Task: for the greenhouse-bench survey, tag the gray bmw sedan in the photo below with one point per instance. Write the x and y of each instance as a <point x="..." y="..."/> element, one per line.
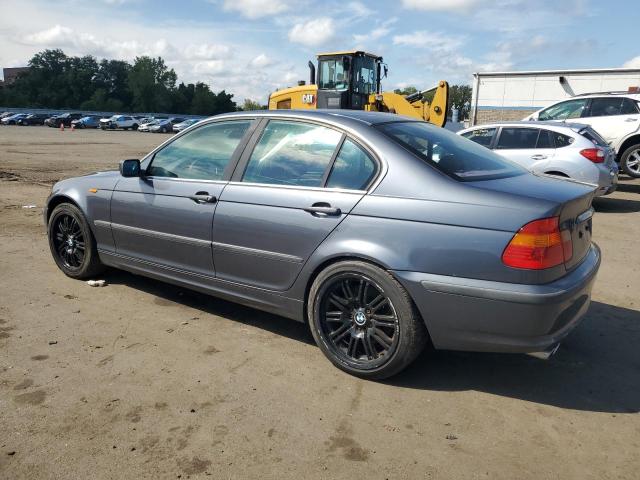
<point x="384" y="233"/>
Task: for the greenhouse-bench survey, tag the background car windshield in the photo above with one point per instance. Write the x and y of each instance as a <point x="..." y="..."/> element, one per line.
<point x="458" y="157"/>
<point x="564" y="110"/>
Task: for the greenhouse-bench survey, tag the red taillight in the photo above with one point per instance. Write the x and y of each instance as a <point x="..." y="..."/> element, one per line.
<point x="539" y="244"/>
<point x="596" y="155"/>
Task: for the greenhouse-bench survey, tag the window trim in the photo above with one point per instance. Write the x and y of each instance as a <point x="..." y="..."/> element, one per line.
<point x="228" y="171"/>
<point x="236" y="177"/>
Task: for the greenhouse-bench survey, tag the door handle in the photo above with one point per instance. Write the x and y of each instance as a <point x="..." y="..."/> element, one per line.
<point x="203" y="197"/>
<point x="631" y="120"/>
<point x="538" y="157"/>
<point x="323" y="208"/>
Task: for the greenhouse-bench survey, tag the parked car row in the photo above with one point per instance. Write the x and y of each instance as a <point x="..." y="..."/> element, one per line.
<point x="587" y="138"/>
<point x="115" y="122"/>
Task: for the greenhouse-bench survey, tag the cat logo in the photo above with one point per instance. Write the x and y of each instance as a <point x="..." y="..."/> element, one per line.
<point x="309" y="98"/>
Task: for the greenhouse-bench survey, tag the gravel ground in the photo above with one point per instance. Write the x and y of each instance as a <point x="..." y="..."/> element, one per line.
<point x="140" y="379"/>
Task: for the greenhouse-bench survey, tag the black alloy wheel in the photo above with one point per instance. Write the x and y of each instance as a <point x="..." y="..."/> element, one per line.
<point x="364" y="321"/>
<point x="69" y="241"/>
<point x="72" y="243"/>
<point x="358" y="320"/>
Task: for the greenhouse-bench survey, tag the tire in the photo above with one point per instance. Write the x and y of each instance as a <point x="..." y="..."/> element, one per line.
<point x="67" y="221"/>
<point x="630" y="161"/>
<point x="134" y="126"/>
<point x="373" y="339"/>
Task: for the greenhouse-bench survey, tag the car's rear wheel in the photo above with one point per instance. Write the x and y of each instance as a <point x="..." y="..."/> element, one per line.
<point x="71" y="242"/>
<point x="134" y="126"/>
<point x="364" y="321"/>
<point x="630" y="161"/>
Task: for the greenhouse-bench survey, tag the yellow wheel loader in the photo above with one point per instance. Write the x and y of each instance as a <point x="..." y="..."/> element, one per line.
<point x="351" y="80"/>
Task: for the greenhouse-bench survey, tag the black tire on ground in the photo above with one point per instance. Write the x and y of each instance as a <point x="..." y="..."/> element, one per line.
<point x="72" y="243"/>
<point x="356" y="330"/>
<point x="630" y="161"/>
<point x="134" y="126"/>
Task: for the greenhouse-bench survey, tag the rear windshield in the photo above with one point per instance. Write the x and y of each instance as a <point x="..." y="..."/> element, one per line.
<point x="452" y="154"/>
<point x="594" y="137"/>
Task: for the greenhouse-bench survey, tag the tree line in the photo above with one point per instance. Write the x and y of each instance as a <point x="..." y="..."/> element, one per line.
<point x="58" y="81"/>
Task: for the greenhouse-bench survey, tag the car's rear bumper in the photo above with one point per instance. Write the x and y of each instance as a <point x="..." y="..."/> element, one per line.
<point x="480" y="315"/>
<point x="607" y="179"/>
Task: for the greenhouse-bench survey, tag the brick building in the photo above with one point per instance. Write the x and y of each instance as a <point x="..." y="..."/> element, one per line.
<point x="508" y="96"/>
<point x="10" y="74"/>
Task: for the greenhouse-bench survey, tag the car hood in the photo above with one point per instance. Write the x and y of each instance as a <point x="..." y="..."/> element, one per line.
<point x="105" y="180"/>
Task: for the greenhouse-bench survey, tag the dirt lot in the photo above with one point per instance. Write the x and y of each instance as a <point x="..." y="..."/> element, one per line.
<point x="144" y="380"/>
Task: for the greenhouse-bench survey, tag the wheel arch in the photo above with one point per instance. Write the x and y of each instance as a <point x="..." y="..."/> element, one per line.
<point x="59" y="199"/>
<point x="345" y="258"/>
<point x="632" y="140"/>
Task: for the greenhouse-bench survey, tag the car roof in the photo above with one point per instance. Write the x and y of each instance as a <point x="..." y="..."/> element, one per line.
<point x="633" y="96"/>
<point x="533" y="124"/>
<point x="332" y="115"/>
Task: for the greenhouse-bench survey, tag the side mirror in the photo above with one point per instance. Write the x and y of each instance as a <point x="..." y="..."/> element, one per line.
<point x="130" y="168"/>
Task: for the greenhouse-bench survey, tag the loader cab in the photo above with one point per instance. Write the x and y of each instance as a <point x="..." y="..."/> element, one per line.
<point x="346" y="79"/>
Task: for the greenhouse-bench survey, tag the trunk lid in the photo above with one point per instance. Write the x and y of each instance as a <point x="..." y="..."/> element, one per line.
<point x="567" y="199"/>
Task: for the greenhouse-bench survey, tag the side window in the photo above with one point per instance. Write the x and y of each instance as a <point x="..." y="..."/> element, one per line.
<point x="292" y="153"/>
<point x="202" y="154"/>
<point x="545" y="139"/>
<point x="564" y="110"/>
<point x="629" y="107"/>
<point x="353" y="168"/>
<point x="561" y="140"/>
<point x="605" y="107"/>
<point x="482" y="136"/>
<point x="517" y="138"/>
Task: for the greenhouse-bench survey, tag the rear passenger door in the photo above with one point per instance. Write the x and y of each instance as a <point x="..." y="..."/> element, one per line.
<point x="530" y="147"/>
<point x="294" y="184"/>
<point x="613" y="117"/>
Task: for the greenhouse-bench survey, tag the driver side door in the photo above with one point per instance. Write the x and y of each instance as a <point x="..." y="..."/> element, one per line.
<point x="164" y="218"/>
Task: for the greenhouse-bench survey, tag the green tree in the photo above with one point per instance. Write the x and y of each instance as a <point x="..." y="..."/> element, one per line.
<point x="406" y="90"/>
<point x="151" y="84"/>
<point x="252" y="105"/>
<point x="460" y="98"/>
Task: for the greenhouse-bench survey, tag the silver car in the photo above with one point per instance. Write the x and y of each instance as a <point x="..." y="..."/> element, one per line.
<point x="569" y="150"/>
<point x="384" y="233"/>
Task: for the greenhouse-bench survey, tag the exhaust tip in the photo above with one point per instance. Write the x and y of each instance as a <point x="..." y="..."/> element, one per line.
<point x="544" y="355"/>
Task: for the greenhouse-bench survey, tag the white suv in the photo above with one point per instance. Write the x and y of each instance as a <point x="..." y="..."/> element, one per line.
<point x="119" y="121"/>
<point x="615" y="116"/>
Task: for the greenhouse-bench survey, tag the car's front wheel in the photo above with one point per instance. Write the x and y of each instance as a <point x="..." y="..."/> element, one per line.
<point x="364" y="321"/>
<point x="71" y="242"/>
<point x="630" y="161"/>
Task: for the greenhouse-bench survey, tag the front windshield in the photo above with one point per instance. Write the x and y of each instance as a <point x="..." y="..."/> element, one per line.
<point x="364" y="75"/>
<point x="452" y="154"/>
<point x="332" y="75"/>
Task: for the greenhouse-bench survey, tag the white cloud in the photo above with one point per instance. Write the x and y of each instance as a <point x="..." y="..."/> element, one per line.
<point x="376" y="33"/>
<point x="261" y="61"/>
<point x="256" y="8"/>
<point x="207" y="51"/>
<point x="436" y="42"/>
<point x="438" y="5"/>
<point x="313" y="32"/>
<point x="633" y="63"/>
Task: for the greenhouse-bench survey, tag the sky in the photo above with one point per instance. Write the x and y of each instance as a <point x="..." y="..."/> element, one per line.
<point x="252" y="47"/>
